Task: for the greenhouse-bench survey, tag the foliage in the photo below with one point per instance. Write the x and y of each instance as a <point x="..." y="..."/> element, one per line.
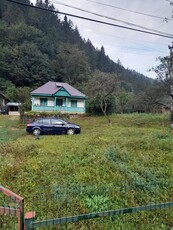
<point x="10" y="129"/>
<point x="130" y="145"/>
<point x="152" y="100"/>
<point x="37" y="46"/>
<point x="30" y="115"/>
<point x="96" y="203"/>
<point x="163" y="71"/>
<point x="22" y="96"/>
<point x="130" y="150"/>
<point x="102" y="87"/>
<point x="71" y="65"/>
<point x="124" y="101"/>
<point x="93" y="106"/>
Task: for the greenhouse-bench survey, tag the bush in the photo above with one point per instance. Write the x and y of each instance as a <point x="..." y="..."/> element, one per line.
<point x="33" y="115"/>
<point x="93" y="107"/>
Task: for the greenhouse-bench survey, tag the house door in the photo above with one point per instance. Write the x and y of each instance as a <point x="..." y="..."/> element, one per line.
<point x="59" y="102"/>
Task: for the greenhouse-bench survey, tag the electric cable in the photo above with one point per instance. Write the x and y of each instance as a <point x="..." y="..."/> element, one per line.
<point x="92" y="20"/>
<point x="136" y="12"/>
<point x="114" y="19"/>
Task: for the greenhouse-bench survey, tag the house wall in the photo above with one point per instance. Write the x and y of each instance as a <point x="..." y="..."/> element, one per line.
<point x="50" y="102"/>
<point x="3" y="101"/>
<point x="80" y="103"/>
<point x="16" y="113"/>
<point x="36" y="101"/>
<point x="51" y="106"/>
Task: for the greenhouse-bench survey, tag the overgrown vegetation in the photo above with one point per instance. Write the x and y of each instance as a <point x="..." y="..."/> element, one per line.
<point x="132" y="151"/>
<point x="133" y="147"/>
<point x="38" y="46"/>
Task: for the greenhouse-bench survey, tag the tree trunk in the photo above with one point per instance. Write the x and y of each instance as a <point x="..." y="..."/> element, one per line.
<point x="172" y="113"/>
<point x="104" y="110"/>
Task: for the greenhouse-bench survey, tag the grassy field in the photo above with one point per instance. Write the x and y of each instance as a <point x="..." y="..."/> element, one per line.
<point x="135" y="148"/>
<point x="132" y="147"/>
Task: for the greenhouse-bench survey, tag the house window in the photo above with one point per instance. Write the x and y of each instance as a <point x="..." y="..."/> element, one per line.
<point x="43" y="101"/>
<point x="73" y="103"/>
<point x="59" y="102"/>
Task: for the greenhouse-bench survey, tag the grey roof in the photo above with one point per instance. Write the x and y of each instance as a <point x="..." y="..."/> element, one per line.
<point x="13" y="104"/>
<point x="51" y="88"/>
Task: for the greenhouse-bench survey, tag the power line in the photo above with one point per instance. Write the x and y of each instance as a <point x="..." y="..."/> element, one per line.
<point x="114" y="19"/>
<point x="171" y="2"/>
<point x="92" y="20"/>
<point x="136" y="12"/>
<point x="132" y="41"/>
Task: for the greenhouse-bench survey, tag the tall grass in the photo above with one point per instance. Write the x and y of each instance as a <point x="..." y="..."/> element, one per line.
<point x="132" y="147"/>
<point x="133" y="150"/>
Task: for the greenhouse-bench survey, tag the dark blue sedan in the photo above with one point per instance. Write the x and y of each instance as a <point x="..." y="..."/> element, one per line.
<point x="52" y="126"/>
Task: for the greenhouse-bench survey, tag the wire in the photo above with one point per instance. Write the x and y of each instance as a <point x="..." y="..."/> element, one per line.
<point x="114" y="19"/>
<point x="136" y="12"/>
<point x="171" y="2"/>
<point x="132" y="41"/>
<point x="92" y="20"/>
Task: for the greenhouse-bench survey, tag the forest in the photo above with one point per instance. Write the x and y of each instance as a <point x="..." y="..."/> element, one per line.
<point x="37" y="46"/>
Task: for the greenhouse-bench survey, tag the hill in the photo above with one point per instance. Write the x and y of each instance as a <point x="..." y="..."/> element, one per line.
<point x="37" y="46"/>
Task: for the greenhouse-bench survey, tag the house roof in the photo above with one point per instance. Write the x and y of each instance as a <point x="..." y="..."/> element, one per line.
<point x="51" y="88"/>
<point x="13" y="104"/>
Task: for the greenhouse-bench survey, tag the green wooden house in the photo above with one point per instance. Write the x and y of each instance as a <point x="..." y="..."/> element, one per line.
<point x="58" y="96"/>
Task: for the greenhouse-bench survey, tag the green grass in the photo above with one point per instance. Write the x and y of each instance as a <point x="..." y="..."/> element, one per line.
<point x="134" y="149"/>
<point x="133" y="145"/>
<point x="10" y="128"/>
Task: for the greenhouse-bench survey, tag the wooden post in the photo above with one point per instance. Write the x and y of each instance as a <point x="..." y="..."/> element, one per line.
<point x="29" y="217"/>
<point x="171" y="80"/>
<point x="163" y="122"/>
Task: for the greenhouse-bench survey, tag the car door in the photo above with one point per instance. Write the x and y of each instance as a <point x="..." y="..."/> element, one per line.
<point x="46" y="126"/>
<point x="58" y="126"/>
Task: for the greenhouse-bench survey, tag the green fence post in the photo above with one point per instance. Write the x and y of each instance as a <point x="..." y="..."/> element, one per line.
<point x="29" y="218"/>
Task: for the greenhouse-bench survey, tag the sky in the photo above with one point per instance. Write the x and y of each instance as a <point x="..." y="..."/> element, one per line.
<point x="135" y="50"/>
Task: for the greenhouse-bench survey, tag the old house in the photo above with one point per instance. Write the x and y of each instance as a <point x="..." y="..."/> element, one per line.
<point x="58" y="96"/>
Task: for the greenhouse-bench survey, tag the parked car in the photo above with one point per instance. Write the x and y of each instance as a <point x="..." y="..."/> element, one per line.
<point x="52" y="126"/>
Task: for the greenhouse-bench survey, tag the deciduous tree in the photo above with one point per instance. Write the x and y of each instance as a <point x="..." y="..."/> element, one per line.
<point x="101" y="86"/>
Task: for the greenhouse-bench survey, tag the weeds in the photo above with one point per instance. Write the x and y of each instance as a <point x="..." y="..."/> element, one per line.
<point x="99" y="153"/>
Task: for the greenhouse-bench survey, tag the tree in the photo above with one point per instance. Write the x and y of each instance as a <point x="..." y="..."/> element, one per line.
<point x="91" y="54"/>
<point x="25" y="65"/>
<point x="119" y="62"/>
<point x="101" y="87"/>
<point x="152" y="100"/>
<point x="22" y="95"/>
<point x="37" y="46"/>
<point x="123" y="99"/>
<point x="71" y="65"/>
<point x="164" y="73"/>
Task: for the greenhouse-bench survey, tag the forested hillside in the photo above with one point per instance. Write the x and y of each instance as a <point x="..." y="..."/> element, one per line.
<point x="37" y="46"/>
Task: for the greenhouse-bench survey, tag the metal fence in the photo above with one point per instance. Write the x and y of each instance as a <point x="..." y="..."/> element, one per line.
<point x="11" y="210"/>
<point x="119" y="205"/>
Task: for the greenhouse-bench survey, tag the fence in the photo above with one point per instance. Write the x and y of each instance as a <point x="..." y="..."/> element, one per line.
<point x="119" y="205"/>
<point x="11" y="210"/>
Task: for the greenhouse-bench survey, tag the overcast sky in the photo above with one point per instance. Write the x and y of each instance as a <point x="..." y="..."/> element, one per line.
<point x="135" y="50"/>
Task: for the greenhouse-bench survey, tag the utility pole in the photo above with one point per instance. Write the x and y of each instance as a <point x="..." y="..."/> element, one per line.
<point x="171" y="80"/>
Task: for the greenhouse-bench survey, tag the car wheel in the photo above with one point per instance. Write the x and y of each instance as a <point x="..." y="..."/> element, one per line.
<point x="70" y="131"/>
<point x="36" y="132"/>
